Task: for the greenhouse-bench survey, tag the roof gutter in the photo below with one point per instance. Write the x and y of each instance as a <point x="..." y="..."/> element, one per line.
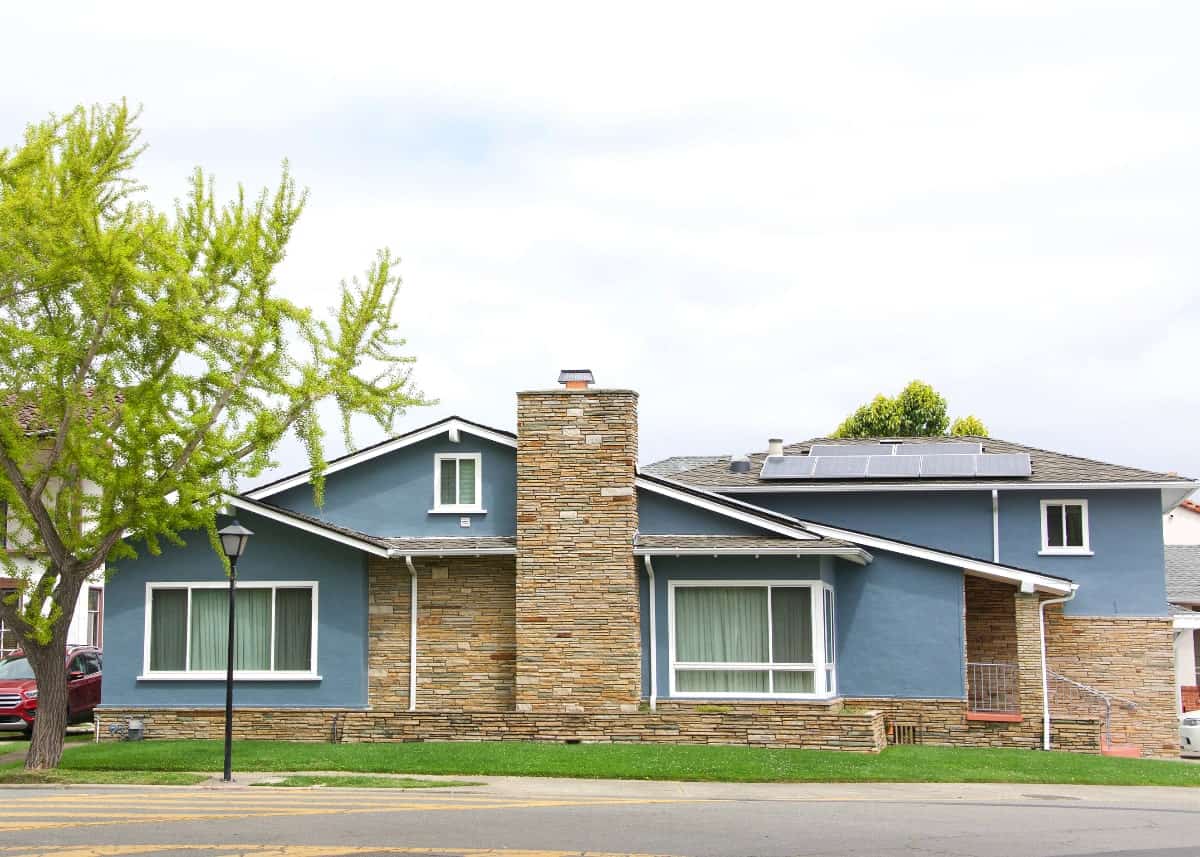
<point x="399" y="553"/>
<point x="856" y="555"/>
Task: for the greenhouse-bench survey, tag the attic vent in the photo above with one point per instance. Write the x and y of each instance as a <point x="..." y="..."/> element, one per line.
<point x="739" y="464"/>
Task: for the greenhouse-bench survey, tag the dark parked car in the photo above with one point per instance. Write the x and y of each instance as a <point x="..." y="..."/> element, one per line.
<point x="19" y="695"/>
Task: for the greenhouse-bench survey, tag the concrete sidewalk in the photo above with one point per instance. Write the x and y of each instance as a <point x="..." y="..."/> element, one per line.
<point x="568" y="788"/>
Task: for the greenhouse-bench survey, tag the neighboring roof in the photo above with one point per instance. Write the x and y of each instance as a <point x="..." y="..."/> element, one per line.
<point x="706" y="545"/>
<point x="679" y="463"/>
<point x="453" y="425"/>
<point x="29" y="417"/>
<point x="1183" y="573"/>
<point x="1048" y="468"/>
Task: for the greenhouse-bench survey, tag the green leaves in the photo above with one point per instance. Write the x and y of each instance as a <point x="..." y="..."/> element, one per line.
<point x="918" y="411"/>
<point x="149" y="361"/>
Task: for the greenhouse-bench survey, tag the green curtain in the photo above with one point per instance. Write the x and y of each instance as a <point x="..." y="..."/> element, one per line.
<point x="795" y="682"/>
<point x="168" y="629"/>
<point x="210" y="628"/>
<point x="741" y="681"/>
<point x="466" y="481"/>
<point x="721" y="625"/>
<point x="448" y="479"/>
<point x="293" y="629"/>
<point x="791" y="624"/>
<point x="252" y="641"/>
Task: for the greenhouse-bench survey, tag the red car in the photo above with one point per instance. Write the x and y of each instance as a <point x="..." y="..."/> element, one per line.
<point x="18" y="689"/>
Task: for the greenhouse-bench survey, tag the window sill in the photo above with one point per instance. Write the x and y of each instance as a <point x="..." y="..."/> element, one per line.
<point x="1068" y="552"/>
<point x="462" y="510"/>
<point x="220" y="676"/>
<point x="716" y="696"/>
<point x="994" y="716"/>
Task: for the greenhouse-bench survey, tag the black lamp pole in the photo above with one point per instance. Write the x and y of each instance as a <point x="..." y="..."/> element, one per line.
<point x="233" y="542"/>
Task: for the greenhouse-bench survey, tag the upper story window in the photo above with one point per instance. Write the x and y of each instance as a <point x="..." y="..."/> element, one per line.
<point x="457" y="482"/>
<point x="1065" y="527"/>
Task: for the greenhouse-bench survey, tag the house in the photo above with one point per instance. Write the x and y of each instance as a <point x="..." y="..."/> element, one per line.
<point x="1181" y="525"/>
<point x="465" y="582"/>
<point x="1183" y="592"/>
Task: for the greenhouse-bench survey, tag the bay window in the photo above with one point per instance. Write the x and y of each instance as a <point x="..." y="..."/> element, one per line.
<point x="187" y="626"/>
<point x="752" y="639"/>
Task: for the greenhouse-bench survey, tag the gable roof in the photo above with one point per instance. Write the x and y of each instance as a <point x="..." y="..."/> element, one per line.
<point x="452" y="424"/>
<point x="1050" y="469"/>
<point x="1028" y="580"/>
<point x="1183" y="573"/>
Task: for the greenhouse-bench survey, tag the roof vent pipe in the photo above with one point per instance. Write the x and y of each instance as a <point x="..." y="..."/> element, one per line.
<point x="739" y="464"/>
<point x="775" y="446"/>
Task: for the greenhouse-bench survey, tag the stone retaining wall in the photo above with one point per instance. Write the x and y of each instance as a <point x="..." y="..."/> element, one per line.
<point x="818" y="728"/>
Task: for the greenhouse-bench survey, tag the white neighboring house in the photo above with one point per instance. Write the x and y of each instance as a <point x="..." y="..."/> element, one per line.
<point x="87" y="623"/>
<point x="1181" y="525"/>
<point x="1181" y="545"/>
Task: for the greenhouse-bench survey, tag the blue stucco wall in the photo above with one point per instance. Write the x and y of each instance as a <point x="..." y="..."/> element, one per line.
<point x="899" y="619"/>
<point x="958" y="521"/>
<point x="276" y="552"/>
<point x="391" y="495"/>
<point x="664" y="516"/>
<point x="1124" y="577"/>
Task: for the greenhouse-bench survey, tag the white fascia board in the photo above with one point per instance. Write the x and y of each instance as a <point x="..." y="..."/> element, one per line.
<point x="1186" y="623"/>
<point x="284" y="518"/>
<point x="855" y="555"/>
<point x="746" y="515"/>
<point x="978" y="567"/>
<point x="445" y="426"/>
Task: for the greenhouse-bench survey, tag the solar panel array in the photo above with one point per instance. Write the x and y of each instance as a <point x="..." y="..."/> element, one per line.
<point x="950" y="460"/>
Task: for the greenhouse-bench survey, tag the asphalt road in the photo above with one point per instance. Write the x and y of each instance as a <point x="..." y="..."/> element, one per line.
<point x="552" y="818"/>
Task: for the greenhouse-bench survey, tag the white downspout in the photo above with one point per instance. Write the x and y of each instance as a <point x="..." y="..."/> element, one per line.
<point x="995" y="526"/>
<point x="412" y="641"/>
<point x="1045" y="672"/>
<point x="653" y="637"/>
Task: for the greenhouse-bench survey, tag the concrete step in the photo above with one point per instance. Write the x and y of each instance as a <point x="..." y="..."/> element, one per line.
<point x="1126" y="751"/>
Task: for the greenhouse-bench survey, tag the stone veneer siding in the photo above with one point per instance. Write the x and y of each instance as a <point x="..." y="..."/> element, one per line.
<point x="747" y="724"/>
<point x="466" y="640"/>
<point x="991" y="622"/>
<point x="1128" y="657"/>
<point x="577" y="621"/>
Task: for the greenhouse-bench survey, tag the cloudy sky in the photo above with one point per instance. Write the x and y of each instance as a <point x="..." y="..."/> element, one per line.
<point x="758" y="216"/>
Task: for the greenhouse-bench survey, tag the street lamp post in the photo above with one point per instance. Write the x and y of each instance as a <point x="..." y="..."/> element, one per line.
<point x="233" y="542"/>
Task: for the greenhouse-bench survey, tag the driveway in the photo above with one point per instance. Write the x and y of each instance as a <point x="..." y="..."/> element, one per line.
<point x="547" y="818"/>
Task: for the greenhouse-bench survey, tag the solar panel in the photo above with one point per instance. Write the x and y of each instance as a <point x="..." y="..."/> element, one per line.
<point x="894" y="467"/>
<point x="953" y="447"/>
<point x="787" y="467"/>
<point x="1004" y="464"/>
<point x="956" y="466"/>
<point x="841" y="466"/>
<point x="838" y="450"/>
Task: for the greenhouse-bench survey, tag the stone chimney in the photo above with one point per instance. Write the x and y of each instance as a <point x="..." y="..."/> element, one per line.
<point x="577" y="620"/>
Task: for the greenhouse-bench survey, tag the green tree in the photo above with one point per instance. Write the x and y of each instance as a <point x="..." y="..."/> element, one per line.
<point x="918" y="411"/>
<point x="149" y="363"/>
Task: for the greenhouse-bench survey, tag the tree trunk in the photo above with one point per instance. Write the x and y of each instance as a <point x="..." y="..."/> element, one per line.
<point x="50" y="725"/>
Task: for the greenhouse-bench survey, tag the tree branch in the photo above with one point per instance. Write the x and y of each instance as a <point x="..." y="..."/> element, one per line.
<point x="46" y="529"/>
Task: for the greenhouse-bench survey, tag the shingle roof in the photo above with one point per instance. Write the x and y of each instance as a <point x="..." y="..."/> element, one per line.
<point x="1183" y="573"/>
<point x="1048" y="466"/>
<point x="739" y="543"/>
<point x="679" y="463"/>
<point x="453" y="544"/>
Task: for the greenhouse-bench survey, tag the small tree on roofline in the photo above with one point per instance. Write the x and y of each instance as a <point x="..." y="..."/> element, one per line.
<point x="149" y="363"/>
<point x="918" y="411"/>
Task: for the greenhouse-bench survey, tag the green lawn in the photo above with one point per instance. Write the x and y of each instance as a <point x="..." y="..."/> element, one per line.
<point x="640" y="762"/>
<point x="351" y="781"/>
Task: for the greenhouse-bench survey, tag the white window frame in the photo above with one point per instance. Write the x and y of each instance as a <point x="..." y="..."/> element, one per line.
<point x="238" y="675"/>
<point x="457" y="508"/>
<point x="1073" y="550"/>
<point x="819" y="663"/>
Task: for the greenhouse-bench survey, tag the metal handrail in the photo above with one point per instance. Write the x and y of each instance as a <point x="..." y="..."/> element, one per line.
<point x="993" y="687"/>
<point x="1107" y="698"/>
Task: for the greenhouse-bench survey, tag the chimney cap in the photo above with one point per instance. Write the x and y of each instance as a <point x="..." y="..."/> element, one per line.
<point x="568" y="376"/>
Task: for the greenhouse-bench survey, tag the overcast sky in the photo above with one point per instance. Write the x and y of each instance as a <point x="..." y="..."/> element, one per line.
<point x="756" y="216"/>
